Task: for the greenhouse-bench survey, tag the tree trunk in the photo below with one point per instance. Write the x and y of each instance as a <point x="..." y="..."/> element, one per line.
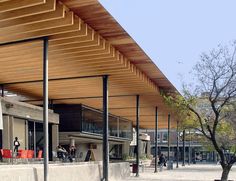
<point x="225" y="173"/>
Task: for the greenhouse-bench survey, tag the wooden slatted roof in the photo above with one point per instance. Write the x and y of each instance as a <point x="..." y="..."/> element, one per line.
<point x="84" y="40"/>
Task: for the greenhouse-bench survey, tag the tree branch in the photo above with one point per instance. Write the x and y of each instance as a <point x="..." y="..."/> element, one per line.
<point x="200" y="121"/>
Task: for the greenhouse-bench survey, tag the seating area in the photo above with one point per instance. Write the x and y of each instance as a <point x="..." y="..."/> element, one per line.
<point x="22" y="155"/>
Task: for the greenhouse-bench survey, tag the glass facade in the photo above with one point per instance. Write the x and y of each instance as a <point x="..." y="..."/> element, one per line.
<point x="92" y="122"/>
<point x="36" y="137"/>
<point x="125" y="128"/>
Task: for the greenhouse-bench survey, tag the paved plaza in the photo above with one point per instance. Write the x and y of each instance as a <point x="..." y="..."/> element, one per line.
<point x="198" y="172"/>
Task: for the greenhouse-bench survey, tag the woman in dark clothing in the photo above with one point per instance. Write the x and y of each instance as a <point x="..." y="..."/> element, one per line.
<point x="162" y="161"/>
<point x="16" y="145"/>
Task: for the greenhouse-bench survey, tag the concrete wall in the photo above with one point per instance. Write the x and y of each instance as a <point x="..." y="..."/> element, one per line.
<point x="26" y="111"/>
<point x="119" y="171"/>
<point x="82" y="149"/>
<point x="7" y="132"/>
<point x="63" y="172"/>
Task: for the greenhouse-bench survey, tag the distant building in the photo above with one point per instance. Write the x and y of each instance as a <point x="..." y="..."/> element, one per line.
<point x="197" y="151"/>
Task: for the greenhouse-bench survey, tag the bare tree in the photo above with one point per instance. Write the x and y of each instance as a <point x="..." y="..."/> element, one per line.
<point x="216" y="74"/>
<point x="211" y="102"/>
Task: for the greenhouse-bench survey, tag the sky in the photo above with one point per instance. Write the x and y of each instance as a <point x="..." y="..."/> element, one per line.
<point x="174" y="33"/>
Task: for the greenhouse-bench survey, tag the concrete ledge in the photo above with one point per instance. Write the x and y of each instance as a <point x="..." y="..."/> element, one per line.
<point x="86" y="171"/>
<point x="119" y="171"/>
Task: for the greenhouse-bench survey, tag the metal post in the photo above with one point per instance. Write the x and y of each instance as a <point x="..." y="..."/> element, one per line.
<point x="168" y="155"/>
<point x="177" y="146"/>
<point x="35" y="149"/>
<point x="50" y="104"/>
<point x="189" y="149"/>
<point x="2" y="91"/>
<point x="156" y="136"/>
<point x="105" y="129"/>
<point x="45" y="106"/>
<point x="183" y="148"/>
<point x="137" y="137"/>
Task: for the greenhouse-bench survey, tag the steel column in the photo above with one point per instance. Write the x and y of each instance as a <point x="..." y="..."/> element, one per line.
<point x="50" y="104"/>
<point x="137" y="134"/>
<point x="105" y="129"/>
<point x="177" y="145"/>
<point x="168" y="155"/>
<point x="156" y="136"/>
<point x="183" y="148"/>
<point x="2" y="90"/>
<point x="35" y="149"/>
<point x="189" y="149"/>
<point x="45" y="106"/>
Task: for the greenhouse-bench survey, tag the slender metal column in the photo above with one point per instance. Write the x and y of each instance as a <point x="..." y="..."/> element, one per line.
<point x="137" y="137"/>
<point x="156" y="136"/>
<point x="183" y="148"/>
<point x="189" y="149"/>
<point x="50" y="104"/>
<point x="35" y="151"/>
<point x="45" y="106"/>
<point x="168" y="155"/>
<point x="2" y="91"/>
<point x="177" y="146"/>
<point x="105" y="129"/>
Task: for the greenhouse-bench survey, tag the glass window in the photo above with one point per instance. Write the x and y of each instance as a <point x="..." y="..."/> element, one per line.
<point x="31" y="135"/>
<point x="39" y="136"/>
<point x="113" y="127"/>
<point x="92" y="121"/>
<point x="164" y="137"/>
<point x="125" y="128"/>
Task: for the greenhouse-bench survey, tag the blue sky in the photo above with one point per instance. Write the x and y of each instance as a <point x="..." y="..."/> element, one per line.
<point x="175" y="32"/>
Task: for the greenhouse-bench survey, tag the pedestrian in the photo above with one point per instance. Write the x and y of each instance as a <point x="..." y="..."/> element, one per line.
<point x="162" y="161"/>
<point x="72" y="150"/>
<point x="16" y="144"/>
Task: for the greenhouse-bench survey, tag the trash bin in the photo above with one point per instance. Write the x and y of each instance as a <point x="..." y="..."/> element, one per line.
<point x="134" y="168"/>
<point x="169" y="165"/>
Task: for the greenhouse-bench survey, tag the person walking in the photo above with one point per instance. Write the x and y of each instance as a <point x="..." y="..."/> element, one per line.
<point x="162" y="161"/>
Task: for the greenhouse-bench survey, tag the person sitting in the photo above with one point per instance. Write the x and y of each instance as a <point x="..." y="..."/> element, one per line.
<point x="61" y="153"/>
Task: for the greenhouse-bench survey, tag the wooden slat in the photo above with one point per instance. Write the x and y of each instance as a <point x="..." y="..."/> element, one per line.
<point x="50" y="5"/>
<point x="16" y="4"/>
<point x="77" y="45"/>
<point x="89" y="36"/>
<point x="60" y="22"/>
<point x="42" y="33"/>
<point x="83" y="32"/>
<point x="52" y="15"/>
